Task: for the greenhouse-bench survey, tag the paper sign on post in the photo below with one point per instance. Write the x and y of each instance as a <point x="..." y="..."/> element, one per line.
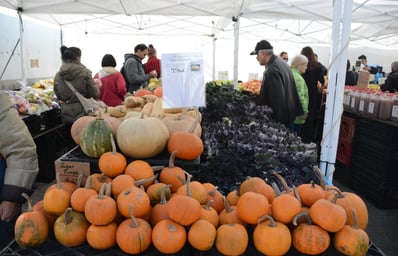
<point x="183" y="80"/>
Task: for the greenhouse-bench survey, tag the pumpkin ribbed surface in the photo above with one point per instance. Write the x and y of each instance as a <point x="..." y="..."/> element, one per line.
<point x="96" y="138"/>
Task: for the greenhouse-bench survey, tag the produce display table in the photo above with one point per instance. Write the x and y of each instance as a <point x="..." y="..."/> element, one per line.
<point x="368" y="158"/>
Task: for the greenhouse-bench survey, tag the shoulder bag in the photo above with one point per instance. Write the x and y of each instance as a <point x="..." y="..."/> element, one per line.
<point x="90" y="105"/>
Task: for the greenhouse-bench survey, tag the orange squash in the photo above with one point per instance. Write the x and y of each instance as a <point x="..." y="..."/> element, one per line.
<point x="208" y="213"/>
<point x="229" y="214"/>
<point x="351" y="240"/>
<point x="140" y="169"/>
<point x="202" y="235"/>
<point x="171" y="173"/>
<point x="102" y="237"/>
<point x="310" y="193"/>
<point x="70" y="228"/>
<point x="38" y="206"/>
<point x="159" y="211"/>
<point x="133" y="235"/>
<point x="308" y="238"/>
<point x="112" y="163"/>
<point x="31" y="227"/>
<point x="140" y="199"/>
<point x="349" y="201"/>
<point x="155" y="190"/>
<point x="120" y="183"/>
<point x="251" y="206"/>
<point x="284" y="206"/>
<point x="271" y="237"/>
<point x="214" y="195"/>
<point x="80" y="196"/>
<point x="231" y="239"/>
<point x="100" y="209"/>
<point x="328" y="215"/>
<point x="258" y="185"/>
<point x="168" y="236"/>
<point x="56" y="200"/>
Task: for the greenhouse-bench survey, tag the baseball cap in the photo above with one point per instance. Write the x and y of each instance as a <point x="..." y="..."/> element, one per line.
<point x="262" y="45"/>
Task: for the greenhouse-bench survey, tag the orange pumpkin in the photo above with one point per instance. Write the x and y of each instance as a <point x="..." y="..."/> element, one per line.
<point x="308" y="238"/>
<point x="70" y="228"/>
<point x="38" y="206"/>
<point x="349" y="201"/>
<point x="31" y="227"/>
<point x="139" y="170"/>
<point x="258" y="185"/>
<point x="229" y="214"/>
<point x="98" y="179"/>
<point x="202" y="235"/>
<point x="198" y="191"/>
<point x="140" y="199"/>
<point x="113" y="163"/>
<point x="56" y="200"/>
<point x="284" y="206"/>
<point x="233" y="197"/>
<point x="141" y="92"/>
<point x="170" y="174"/>
<point x="328" y="215"/>
<point x="80" y="196"/>
<point x="351" y="240"/>
<point x="187" y="144"/>
<point x="208" y="213"/>
<point x="133" y="235"/>
<point x="120" y="183"/>
<point x="231" y="239"/>
<point x="271" y="237"/>
<point x="184" y="209"/>
<point x="102" y="237"/>
<point x="155" y="190"/>
<point x="214" y="195"/>
<point x="159" y="211"/>
<point x="100" y="209"/>
<point x="251" y="206"/>
<point x="158" y="91"/>
<point x="310" y="193"/>
<point x="168" y="236"/>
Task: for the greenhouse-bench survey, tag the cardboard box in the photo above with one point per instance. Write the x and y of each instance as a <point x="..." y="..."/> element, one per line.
<point x="70" y="171"/>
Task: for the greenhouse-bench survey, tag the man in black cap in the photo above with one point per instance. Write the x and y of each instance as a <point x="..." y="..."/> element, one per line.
<point x="278" y="89"/>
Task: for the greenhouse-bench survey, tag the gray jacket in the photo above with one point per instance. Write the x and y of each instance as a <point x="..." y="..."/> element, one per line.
<point x="81" y="78"/>
<point x="19" y="151"/>
<point x="135" y="74"/>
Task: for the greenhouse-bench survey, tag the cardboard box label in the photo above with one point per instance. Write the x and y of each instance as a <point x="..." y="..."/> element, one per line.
<point x="69" y="171"/>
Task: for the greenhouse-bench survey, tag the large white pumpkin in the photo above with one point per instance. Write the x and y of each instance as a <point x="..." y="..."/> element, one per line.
<point x="143" y="137"/>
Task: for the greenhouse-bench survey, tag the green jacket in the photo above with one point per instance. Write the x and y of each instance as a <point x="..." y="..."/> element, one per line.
<point x="302" y="91"/>
<point x="19" y="151"/>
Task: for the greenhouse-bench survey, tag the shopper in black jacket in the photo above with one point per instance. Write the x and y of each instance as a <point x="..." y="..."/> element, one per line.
<point x="391" y="83"/>
<point x="278" y="88"/>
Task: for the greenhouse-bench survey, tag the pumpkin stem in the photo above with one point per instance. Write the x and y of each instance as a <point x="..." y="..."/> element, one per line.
<point x="156" y="168"/>
<point x="114" y="152"/>
<point x="79" y="180"/>
<point x="208" y="205"/>
<point x="68" y="216"/>
<point x="102" y="191"/>
<point x="272" y="223"/>
<point x="108" y="189"/>
<point x="283" y="181"/>
<point x="297" y="195"/>
<point x="276" y="189"/>
<point x="302" y="214"/>
<point x="134" y="223"/>
<point x="319" y="175"/>
<point x="88" y="182"/>
<point x="181" y="179"/>
<point x="172" y="158"/>
<point x="28" y="200"/>
<point x="227" y="207"/>
<point x="189" y="176"/>
<point x="163" y="199"/>
<point x="143" y="181"/>
<point x="58" y="180"/>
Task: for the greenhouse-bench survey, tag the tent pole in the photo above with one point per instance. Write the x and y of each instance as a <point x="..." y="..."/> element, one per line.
<point x="22" y="48"/>
<point x="236" y="50"/>
<point x="334" y="100"/>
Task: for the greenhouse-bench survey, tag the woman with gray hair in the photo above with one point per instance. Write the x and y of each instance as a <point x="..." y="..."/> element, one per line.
<point x="391" y="83"/>
<point x="298" y="67"/>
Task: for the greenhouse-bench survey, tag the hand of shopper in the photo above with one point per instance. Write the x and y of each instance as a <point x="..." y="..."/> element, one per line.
<point x="153" y="73"/>
<point x="9" y="210"/>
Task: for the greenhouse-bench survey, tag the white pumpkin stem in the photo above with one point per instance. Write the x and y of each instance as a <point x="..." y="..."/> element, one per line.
<point x="28" y="200"/>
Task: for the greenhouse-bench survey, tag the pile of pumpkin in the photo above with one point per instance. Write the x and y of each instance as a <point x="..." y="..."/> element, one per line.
<point x="137" y="205"/>
<point x="142" y="128"/>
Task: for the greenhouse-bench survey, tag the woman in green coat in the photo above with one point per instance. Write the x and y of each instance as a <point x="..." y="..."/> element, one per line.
<point x="299" y="66"/>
